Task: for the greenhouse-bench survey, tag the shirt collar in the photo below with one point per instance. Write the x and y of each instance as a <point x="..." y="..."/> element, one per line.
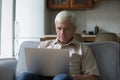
<point x="73" y="42"/>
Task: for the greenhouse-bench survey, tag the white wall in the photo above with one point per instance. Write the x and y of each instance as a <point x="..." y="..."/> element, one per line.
<point x="30" y="18"/>
<point x="29" y="22"/>
<point x="105" y="14"/>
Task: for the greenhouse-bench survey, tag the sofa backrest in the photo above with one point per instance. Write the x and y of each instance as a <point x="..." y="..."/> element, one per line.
<point x="7" y="68"/>
<point x="21" y="65"/>
<point x="107" y="57"/>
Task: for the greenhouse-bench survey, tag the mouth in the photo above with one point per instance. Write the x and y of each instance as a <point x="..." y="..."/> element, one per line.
<point x="63" y="41"/>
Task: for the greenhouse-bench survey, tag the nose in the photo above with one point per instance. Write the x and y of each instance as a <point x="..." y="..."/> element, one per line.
<point x="62" y="31"/>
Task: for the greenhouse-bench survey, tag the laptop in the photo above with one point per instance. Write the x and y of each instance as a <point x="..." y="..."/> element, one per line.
<point x="47" y="62"/>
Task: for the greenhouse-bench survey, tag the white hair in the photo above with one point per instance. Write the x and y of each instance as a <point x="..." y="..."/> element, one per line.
<point x="66" y="16"/>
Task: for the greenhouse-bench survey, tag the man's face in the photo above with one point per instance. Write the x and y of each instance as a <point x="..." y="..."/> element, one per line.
<point x="65" y="31"/>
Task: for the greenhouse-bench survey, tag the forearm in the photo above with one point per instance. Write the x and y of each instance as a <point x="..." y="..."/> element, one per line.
<point x="85" y="77"/>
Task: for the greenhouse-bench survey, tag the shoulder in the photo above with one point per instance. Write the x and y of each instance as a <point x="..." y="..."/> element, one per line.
<point x="82" y="45"/>
<point x="84" y="48"/>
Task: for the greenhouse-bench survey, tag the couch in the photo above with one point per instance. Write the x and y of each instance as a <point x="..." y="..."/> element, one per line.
<point x="106" y="54"/>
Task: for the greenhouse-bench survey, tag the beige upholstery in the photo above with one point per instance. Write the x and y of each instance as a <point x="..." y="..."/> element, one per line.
<point x="103" y="37"/>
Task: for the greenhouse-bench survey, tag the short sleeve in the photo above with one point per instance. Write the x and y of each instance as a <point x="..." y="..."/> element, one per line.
<point x="89" y="64"/>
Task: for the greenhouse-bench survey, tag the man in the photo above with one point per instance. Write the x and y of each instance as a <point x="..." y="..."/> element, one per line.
<point x="82" y="62"/>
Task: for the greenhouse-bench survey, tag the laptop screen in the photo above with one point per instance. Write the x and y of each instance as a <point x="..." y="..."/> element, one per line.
<point x="47" y="62"/>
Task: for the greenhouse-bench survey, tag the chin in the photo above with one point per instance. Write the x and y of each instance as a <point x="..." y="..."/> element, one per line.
<point x="64" y="42"/>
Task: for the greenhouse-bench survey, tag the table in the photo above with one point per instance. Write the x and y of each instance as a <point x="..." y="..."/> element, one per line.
<point x="86" y="38"/>
<point x="91" y="38"/>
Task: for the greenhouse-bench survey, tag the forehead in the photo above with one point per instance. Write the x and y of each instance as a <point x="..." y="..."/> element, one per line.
<point x="63" y="24"/>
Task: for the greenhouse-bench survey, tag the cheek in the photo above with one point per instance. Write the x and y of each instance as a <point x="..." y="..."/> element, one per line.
<point x="57" y="31"/>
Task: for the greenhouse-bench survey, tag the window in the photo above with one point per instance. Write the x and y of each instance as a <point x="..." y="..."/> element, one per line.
<point x="6" y="37"/>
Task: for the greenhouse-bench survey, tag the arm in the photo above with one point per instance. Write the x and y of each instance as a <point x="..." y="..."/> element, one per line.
<point x="88" y="65"/>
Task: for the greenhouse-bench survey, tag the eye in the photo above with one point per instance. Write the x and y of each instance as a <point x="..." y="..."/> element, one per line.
<point x="67" y="28"/>
<point x="59" y="28"/>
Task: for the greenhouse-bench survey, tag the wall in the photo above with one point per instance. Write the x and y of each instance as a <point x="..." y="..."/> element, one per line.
<point x="30" y="18"/>
<point x="30" y="21"/>
<point x="105" y="14"/>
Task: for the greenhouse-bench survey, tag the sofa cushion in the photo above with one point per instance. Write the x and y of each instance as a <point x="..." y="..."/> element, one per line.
<point x="107" y="56"/>
<point x="7" y="68"/>
<point x="21" y="65"/>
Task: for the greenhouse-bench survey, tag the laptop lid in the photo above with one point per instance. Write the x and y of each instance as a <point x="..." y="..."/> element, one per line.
<point x="47" y="62"/>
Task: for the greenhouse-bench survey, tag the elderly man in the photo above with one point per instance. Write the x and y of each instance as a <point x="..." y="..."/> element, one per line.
<point x="83" y="65"/>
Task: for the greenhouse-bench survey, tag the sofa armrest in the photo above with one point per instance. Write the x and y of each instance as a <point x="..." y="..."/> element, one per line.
<point x="7" y="68"/>
<point x="107" y="57"/>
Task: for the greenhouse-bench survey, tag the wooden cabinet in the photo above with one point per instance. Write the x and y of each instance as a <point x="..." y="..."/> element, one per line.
<point x="69" y="4"/>
<point x="81" y="4"/>
<point x="58" y="4"/>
